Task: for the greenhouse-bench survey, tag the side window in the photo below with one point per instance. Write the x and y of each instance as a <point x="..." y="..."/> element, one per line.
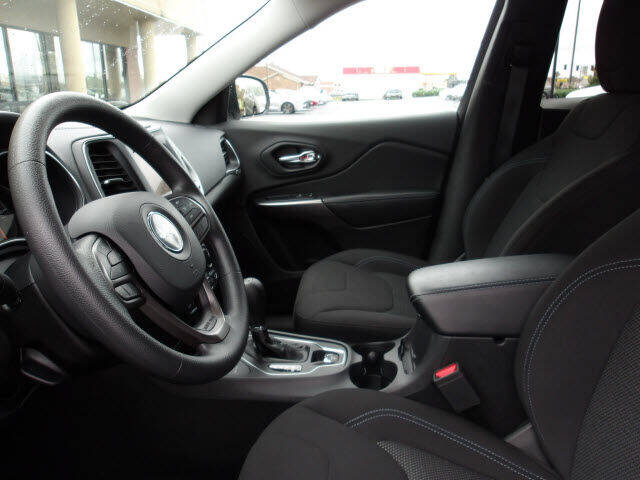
<point x="377" y="58"/>
<point x="7" y="93"/>
<point x="573" y="69"/>
<point x="31" y="65"/>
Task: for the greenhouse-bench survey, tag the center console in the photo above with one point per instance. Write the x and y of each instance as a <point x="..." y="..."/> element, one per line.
<point x="469" y="314"/>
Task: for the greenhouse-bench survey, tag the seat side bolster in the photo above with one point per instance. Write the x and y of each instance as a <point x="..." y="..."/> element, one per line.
<point x="496" y="196"/>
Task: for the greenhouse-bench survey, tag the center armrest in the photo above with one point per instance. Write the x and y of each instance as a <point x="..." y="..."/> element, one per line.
<point x="487" y="297"/>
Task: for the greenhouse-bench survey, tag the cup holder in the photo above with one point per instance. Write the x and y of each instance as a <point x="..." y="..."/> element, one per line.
<point x="373" y="372"/>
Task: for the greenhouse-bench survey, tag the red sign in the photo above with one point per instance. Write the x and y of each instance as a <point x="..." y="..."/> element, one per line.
<point x="405" y="70"/>
<point x="357" y="70"/>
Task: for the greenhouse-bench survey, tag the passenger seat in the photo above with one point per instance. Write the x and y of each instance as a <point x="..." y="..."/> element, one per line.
<point x="556" y="196"/>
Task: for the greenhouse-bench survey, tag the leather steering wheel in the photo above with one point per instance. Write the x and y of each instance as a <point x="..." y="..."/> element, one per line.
<point x="164" y="257"/>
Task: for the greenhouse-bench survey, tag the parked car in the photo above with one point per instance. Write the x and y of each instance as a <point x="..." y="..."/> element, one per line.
<point x="350" y="97"/>
<point x="325" y="98"/>
<point x="312" y="95"/>
<point x="286" y="101"/>
<point x="393" y="94"/>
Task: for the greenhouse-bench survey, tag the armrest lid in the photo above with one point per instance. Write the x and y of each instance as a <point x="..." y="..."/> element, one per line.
<point x="487" y="297"/>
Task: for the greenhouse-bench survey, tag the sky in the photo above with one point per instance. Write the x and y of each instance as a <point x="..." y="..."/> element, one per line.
<point x="585" y="45"/>
<point x="440" y="36"/>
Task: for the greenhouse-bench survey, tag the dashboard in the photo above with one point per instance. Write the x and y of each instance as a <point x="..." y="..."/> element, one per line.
<point x="85" y="163"/>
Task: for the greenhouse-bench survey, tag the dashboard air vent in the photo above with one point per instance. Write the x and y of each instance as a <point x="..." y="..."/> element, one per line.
<point x="231" y="159"/>
<point x="110" y="168"/>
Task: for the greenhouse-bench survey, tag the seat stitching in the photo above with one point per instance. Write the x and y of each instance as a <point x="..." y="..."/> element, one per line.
<point x="441" y="457"/>
<point x="547" y="317"/>
<point x="506" y="283"/>
<point x="443" y="432"/>
<point x="390" y="259"/>
<point x="436" y="428"/>
<point x="538" y="325"/>
<point x="469" y="444"/>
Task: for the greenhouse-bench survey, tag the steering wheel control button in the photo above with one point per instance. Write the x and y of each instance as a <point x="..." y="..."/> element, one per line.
<point x="114" y="257"/>
<point x="191" y="216"/>
<point x="188" y="208"/>
<point x="182" y="204"/>
<point x="118" y="271"/>
<point x="103" y="247"/>
<point x="211" y="274"/>
<point x="128" y="291"/>
<point x="201" y="227"/>
<point x="165" y="232"/>
<point x="286" y="367"/>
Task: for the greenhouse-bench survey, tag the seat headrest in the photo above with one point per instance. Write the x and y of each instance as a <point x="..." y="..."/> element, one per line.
<point x="617" y="43"/>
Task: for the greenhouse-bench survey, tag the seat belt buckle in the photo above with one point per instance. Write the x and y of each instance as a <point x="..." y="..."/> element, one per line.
<point x="455" y="387"/>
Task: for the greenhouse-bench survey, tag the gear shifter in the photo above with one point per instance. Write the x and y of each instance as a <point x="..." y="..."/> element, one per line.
<point x="265" y="345"/>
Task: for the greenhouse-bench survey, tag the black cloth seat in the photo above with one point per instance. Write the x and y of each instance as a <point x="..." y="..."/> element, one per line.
<point x="578" y="376"/>
<point x="556" y="196"/>
<point x="366" y="434"/>
<point x="357" y="293"/>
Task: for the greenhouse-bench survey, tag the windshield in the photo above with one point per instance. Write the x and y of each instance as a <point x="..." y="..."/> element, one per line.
<point x="115" y="50"/>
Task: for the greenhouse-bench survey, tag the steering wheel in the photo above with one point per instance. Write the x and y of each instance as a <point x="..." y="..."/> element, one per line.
<point x="164" y="261"/>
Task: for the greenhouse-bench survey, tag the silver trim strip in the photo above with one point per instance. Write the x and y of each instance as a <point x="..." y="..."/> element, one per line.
<point x="184" y="162"/>
<point x="285" y="202"/>
<point x="235" y="169"/>
<point x="305" y="158"/>
<point x="14" y="242"/>
<point x="74" y="180"/>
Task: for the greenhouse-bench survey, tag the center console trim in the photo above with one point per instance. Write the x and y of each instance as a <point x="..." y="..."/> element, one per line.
<point x="340" y="349"/>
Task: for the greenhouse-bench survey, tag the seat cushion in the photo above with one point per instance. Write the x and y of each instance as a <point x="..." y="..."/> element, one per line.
<point x="349" y="434"/>
<point x="357" y="295"/>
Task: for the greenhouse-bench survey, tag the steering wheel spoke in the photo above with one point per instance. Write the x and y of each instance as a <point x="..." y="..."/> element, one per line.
<point x="209" y="327"/>
<point x="118" y="272"/>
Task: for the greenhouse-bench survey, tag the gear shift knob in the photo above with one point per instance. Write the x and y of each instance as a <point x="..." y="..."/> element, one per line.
<point x="264" y="344"/>
<point x="257" y="300"/>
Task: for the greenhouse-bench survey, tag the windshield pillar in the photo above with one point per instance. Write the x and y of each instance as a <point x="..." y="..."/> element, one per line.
<point x="147" y="37"/>
<point x="71" y="45"/>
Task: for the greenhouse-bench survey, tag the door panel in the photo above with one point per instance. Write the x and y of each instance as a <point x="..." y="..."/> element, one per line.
<point x="377" y="185"/>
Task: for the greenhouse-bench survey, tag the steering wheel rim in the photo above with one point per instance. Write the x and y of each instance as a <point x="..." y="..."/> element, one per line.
<point x="80" y="285"/>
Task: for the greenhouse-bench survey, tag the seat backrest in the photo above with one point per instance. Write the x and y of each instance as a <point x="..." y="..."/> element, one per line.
<point x="578" y="362"/>
<point x="539" y="200"/>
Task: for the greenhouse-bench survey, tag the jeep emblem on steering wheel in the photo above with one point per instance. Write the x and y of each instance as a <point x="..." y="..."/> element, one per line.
<point x="165" y="232"/>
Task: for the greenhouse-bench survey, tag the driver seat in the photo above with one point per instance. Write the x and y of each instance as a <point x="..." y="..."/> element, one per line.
<point x="578" y="376"/>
